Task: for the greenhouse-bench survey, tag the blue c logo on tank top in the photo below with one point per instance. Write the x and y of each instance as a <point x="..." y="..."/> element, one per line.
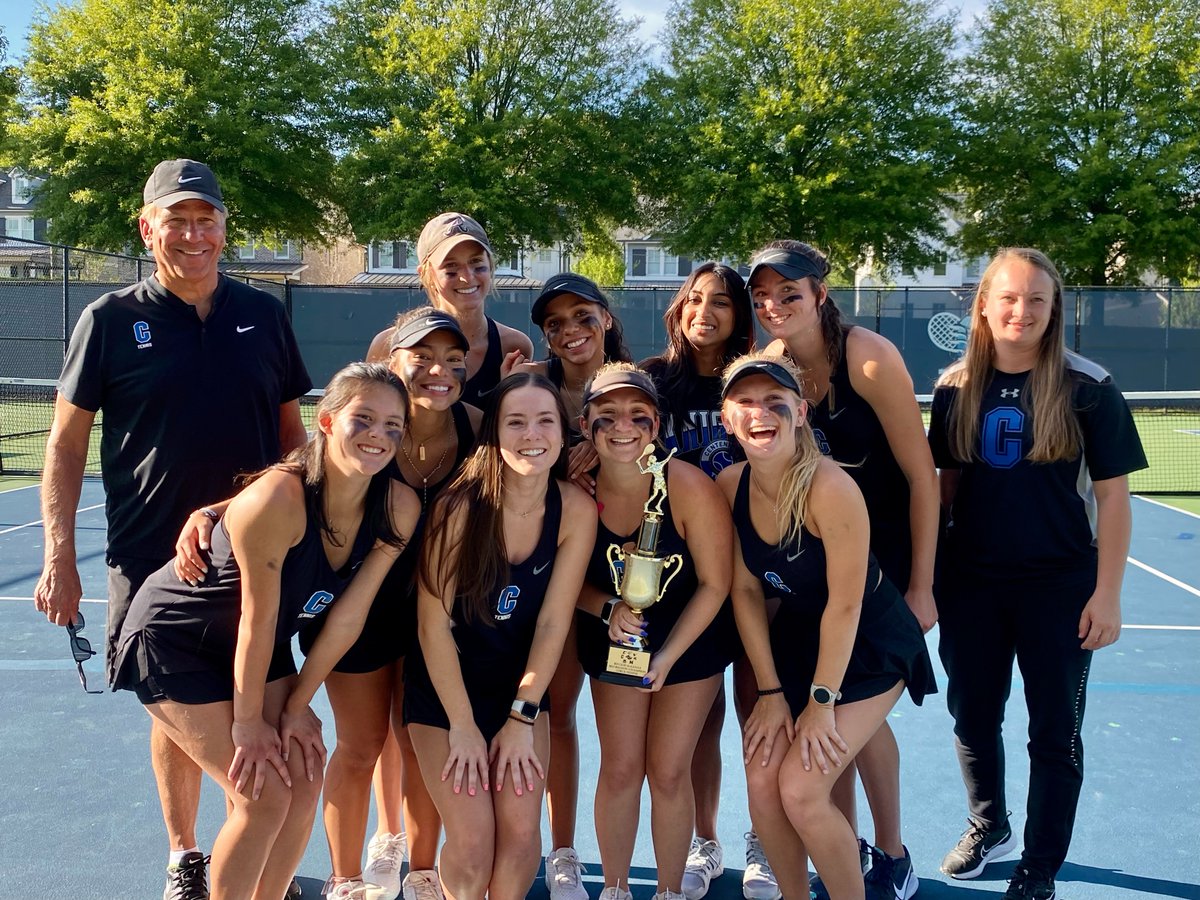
<point x="776" y="582"/>
<point x="1001" y="439"/>
<point x="822" y="443"/>
<point x="141" y="334"/>
<point x="316" y="604"/>
<point x="507" y="602"/>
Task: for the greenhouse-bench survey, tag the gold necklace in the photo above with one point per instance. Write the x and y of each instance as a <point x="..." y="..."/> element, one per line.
<point x="769" y="499"/>
<point x="424" y="478"/>
<point x="538" y="505"/>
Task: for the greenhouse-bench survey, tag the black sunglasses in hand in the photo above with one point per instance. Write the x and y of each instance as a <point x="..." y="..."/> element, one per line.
<point x="81" y="649"/>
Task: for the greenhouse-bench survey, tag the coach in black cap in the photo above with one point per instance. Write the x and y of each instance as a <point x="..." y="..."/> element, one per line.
<point x="199" y="377"/>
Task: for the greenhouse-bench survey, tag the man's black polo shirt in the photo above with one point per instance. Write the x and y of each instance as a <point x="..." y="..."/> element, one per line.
<point x="188" y="405"/>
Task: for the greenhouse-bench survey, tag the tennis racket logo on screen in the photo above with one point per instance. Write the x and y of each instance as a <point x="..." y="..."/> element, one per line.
<point x="948" y="331"/>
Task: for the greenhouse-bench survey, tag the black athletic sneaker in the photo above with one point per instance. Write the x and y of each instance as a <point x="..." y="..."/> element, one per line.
<point x="188" y="878"/>
<point x="1026" y="885"/>
<point x="891" y="877"/>
<point x="294" y="890"/>
<point x="976" y="848"/>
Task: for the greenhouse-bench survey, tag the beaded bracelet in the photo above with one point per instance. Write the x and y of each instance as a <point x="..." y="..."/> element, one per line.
<point x="770" y="691"/>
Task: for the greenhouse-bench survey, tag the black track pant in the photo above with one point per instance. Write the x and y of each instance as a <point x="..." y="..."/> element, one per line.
<point x="984" y="624"/>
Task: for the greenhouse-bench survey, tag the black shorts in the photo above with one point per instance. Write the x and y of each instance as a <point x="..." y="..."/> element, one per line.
<point x="125" y="577"/>
<point x="206" y="686"/>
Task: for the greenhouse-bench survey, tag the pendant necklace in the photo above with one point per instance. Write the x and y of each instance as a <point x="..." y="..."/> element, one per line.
<point x="424" y="477"/>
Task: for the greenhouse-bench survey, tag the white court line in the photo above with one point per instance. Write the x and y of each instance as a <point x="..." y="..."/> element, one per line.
<point x="1160" y="627"/>
<point x="24" y="487"/>
<point x="39" y="521"/>
<point x="1168" y="506"/>
<point x="1164" y="576"/>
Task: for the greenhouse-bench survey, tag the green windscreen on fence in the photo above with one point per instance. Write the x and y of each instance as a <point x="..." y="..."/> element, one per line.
<point x="1168" y="422"/>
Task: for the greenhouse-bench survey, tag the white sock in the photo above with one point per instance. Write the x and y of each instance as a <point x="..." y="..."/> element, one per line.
<point x="177" y="855"/>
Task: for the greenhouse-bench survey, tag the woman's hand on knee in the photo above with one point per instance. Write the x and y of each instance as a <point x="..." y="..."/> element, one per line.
<point x="467" y="759"/>
<point x="512" y="748"/>
<point x="817" y="734"/>
<point x="770" y="717"/>
<point x="305" y="729"/>
<point x="256" y="745"/>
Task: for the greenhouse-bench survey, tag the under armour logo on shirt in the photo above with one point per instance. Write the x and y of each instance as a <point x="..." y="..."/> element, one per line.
<point x="1005" y="393"/>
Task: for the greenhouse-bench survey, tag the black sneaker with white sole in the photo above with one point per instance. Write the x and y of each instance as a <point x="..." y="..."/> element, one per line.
<point x="188" y="878"/>
<point x="1027" y="885"/>
<point x="978" y="846"/>
<point x="891" y="877"/>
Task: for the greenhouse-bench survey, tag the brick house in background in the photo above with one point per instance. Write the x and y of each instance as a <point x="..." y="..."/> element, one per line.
<point x="18" y="219"/>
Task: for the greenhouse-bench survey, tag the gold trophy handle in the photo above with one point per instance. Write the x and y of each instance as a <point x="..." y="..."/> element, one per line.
<point x="675" y="559"/>
<point x="615" y="553"/>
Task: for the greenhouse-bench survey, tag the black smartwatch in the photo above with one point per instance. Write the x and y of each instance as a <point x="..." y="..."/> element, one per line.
<point x="525" y="711"/>
<point x="824" y="696"/>
<point x="606" y="610"/>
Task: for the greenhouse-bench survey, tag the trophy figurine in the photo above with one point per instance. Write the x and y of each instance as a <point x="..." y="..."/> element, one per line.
<point x="638" y="575"/>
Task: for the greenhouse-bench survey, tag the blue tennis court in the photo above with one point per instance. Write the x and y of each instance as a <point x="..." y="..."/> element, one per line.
<point x="80" y="817"/>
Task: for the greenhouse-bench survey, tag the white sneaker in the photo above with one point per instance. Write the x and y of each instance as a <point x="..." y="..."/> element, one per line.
<point x="385" y="855"/>
<point x="346" y="890"/>
<point x="758" y="881"/>
<point x="564" y="875"/>
<point x="703" y="865"/>
<point x="669" y="895"/>
<point x="616" y="893"/>
<point x="423" y="884"/>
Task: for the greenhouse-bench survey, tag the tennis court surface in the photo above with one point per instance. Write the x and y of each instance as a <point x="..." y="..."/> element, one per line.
<point x="80" y="816"/>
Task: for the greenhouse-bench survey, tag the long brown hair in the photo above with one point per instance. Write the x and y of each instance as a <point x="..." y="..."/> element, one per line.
<point x="1055" y="428"/>
<point x="797" y="480"/>
<point x="678" y="357"/>
<point x="309" y="461"/>
<point x="469" y="513"/>
<point x="833" y="329"/>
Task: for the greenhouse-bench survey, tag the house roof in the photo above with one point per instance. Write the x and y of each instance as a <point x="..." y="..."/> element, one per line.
<point x="262" y="267"/>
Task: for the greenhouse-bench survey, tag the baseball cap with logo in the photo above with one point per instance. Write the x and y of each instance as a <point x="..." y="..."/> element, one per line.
<point x="416" y="329"/>
<point x="566" y="283"/>
<point x="176" y="180"/>
<point x="446" y="231"/>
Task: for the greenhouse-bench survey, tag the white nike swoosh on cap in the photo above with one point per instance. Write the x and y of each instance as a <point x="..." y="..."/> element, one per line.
<point x="183" y="180"/>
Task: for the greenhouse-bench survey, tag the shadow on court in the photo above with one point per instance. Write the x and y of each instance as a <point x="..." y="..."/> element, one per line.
<point x="80" y="816"/>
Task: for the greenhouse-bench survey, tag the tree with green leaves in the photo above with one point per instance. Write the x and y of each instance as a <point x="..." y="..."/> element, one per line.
<point x="8" y="92"/>
<point x="824" y="120"/>
<point x="1082" y="135"/>
<point x="510" y="110"/>
<point x="114" y="86"/>
<point x="601" y="259"/>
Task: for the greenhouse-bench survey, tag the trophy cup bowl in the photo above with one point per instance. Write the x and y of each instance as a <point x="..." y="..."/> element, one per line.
<point x="640" y="584"/>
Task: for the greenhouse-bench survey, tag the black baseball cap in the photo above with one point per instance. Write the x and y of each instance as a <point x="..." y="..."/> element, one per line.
<point x="615" y="379"/>
<point x="791" y="264"/>
<point x="565" y="283"/>
<point x="176" y="180"/>
<point x="773" y="370"/>
<point x="418" y="328"/>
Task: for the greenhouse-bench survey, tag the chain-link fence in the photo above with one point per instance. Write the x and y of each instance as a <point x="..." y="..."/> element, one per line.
<point x="1149" y="338"/>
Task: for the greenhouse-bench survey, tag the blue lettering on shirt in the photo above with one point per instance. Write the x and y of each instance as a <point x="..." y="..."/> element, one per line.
<point x="507" y="602"/>
<point x="316" y="604"/>
<point x="1001" y="440"/>
<point x="776" y="582"/>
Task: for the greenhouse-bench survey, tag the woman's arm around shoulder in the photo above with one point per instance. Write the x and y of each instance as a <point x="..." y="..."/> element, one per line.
<point x="511" y="339"/>
<point x="879" y="375"/>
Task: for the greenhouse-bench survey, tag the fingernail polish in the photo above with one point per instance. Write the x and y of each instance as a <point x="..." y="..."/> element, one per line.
<point x="645" y="679"/>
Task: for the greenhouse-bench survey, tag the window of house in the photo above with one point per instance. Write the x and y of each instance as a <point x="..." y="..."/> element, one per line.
<point x="637" y="262"/>
<point x="246" y="250"/>
<point x="22" y="188"/>
<point x="545" y="255"/>
<point x="284" y="250"/>
<point x="19" y="226"/>
<point x="387" y="255"/>
<point x="972" y="268"/>
<point x="683" y="267"/>
<point x="939" y="264"/>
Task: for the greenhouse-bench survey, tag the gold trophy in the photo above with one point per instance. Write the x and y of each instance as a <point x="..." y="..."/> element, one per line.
<point x="638" y="579"/>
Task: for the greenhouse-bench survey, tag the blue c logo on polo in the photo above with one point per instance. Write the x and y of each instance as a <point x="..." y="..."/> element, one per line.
<point x="141" y="332"/>
<point x="507" y="602"/>
<point x="1001" y="439"/>
<point x="316" y="603"/>
<point x="776" y="582"/>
